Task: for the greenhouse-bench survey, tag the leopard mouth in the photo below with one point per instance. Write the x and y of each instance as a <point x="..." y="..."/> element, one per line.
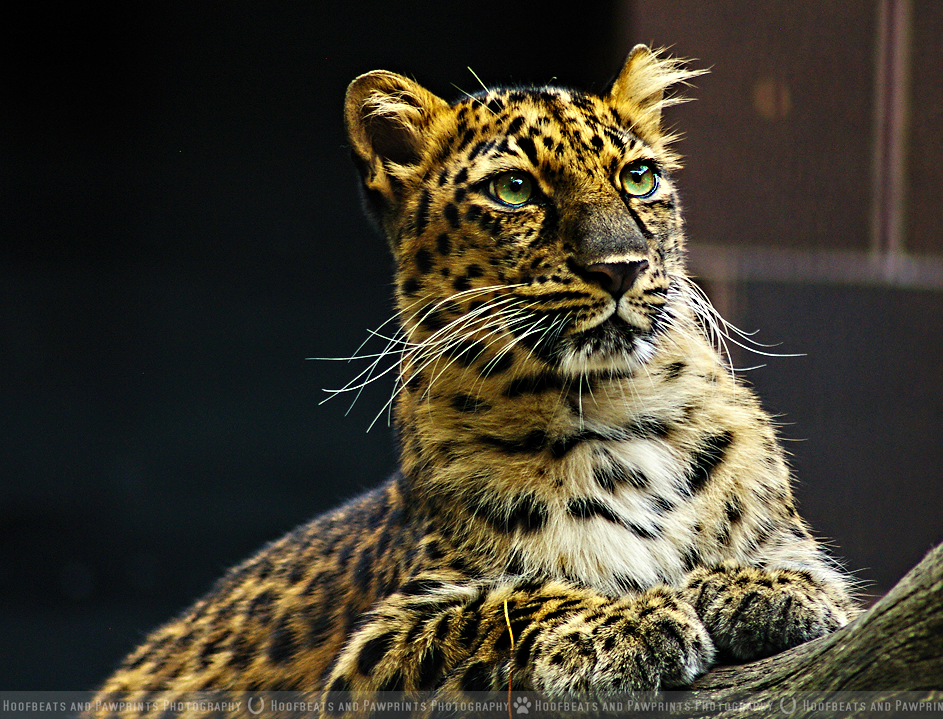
<point x="612" y="344"/>
<point x="613" y="333"/>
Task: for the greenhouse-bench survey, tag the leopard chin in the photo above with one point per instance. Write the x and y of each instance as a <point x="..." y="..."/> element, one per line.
<point x="613" y="346"/>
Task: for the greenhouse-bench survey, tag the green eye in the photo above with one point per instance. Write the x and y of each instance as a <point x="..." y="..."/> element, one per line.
<point x="511" y="188"/>
<point x="639" y="179"/>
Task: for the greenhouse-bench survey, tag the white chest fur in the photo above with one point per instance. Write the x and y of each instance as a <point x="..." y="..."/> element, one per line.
<point x="616" y="536"/>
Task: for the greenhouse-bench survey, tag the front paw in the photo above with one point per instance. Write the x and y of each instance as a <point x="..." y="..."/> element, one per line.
<point x="753" y="613"/>
<point x="649" y="642"/>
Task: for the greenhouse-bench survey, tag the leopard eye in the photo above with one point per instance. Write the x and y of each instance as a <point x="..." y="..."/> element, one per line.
<point x="511" y="188"/>
<point x="639" y="178"/>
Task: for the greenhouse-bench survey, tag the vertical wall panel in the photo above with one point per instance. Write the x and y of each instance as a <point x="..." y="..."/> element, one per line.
<point x="779" y="144"/>
<point x="924" y="201"/>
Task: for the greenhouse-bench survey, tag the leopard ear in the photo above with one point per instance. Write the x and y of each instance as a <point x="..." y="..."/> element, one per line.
<point x="387" y="115"/>
<point x="638" y="93"/>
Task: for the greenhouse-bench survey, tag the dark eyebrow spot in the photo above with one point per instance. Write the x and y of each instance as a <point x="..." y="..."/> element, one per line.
<point x="515" y="125"/>
<point x="529" y="148"/>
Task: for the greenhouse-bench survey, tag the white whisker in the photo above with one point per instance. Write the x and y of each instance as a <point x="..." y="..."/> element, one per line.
<point x="475" y="75"/>
<point x="473" y="98"/>
<point x="398" y="343"/>
<point x="427" y="356"/>
<point x="721" y="331"/>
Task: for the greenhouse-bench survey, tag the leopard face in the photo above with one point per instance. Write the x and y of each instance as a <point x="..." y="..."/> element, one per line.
<point x="537" y="226"/>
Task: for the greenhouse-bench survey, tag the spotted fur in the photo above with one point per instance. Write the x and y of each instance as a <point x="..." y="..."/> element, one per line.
<point x="575" y="451"/>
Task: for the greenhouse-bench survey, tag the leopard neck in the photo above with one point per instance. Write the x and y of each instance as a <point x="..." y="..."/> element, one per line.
<point x="496" y="456"/>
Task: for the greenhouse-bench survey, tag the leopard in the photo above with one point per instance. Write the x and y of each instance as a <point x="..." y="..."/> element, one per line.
<point x="589" y="498"/>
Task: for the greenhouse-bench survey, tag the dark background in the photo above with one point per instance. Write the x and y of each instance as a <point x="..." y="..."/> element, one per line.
<point x="179" y="230"/>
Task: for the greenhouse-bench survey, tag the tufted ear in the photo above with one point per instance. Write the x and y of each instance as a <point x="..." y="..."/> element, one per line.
<point x="639" y="90"/>
<point x="387" y="116"/>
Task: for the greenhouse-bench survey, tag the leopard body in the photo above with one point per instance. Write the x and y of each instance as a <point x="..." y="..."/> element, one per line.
<point x="588" y="500"/>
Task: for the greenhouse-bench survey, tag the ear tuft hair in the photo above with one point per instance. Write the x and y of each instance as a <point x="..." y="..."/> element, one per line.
<point x="386" y="115"/>
<point x="639" y="92"/>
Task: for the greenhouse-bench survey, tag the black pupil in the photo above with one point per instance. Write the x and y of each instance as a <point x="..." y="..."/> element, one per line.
<point x="638" y="173"/>
<point x="515" y="184"/>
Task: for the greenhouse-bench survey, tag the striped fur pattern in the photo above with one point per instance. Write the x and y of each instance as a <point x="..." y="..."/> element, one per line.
<point x="575" y="450"/>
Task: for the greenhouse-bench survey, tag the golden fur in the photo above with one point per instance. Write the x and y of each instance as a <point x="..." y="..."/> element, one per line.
<point x="575" y="450"/>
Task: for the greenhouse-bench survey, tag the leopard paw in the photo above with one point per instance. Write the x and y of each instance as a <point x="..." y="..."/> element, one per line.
<point x="649" y="642"/>
<point x="752" y="613"/>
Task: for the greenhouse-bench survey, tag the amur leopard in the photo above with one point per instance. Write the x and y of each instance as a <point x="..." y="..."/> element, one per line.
<point x="588" y="499"/>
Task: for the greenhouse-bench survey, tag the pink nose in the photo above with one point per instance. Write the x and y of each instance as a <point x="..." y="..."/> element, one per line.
<point x="616" y="277"/>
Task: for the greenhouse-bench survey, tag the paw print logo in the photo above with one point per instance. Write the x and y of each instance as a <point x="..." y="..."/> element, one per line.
<point x="522" y="705"/>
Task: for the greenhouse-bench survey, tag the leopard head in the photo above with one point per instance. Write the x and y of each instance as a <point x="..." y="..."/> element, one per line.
<point x="539" y="224"/>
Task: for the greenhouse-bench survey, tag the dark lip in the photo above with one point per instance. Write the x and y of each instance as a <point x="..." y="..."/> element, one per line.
<point x="612" y="325"/>
<point x="613" y="321"/>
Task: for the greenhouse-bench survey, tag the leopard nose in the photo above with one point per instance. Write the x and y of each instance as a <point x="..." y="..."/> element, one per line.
<point x="616" y="277"/>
